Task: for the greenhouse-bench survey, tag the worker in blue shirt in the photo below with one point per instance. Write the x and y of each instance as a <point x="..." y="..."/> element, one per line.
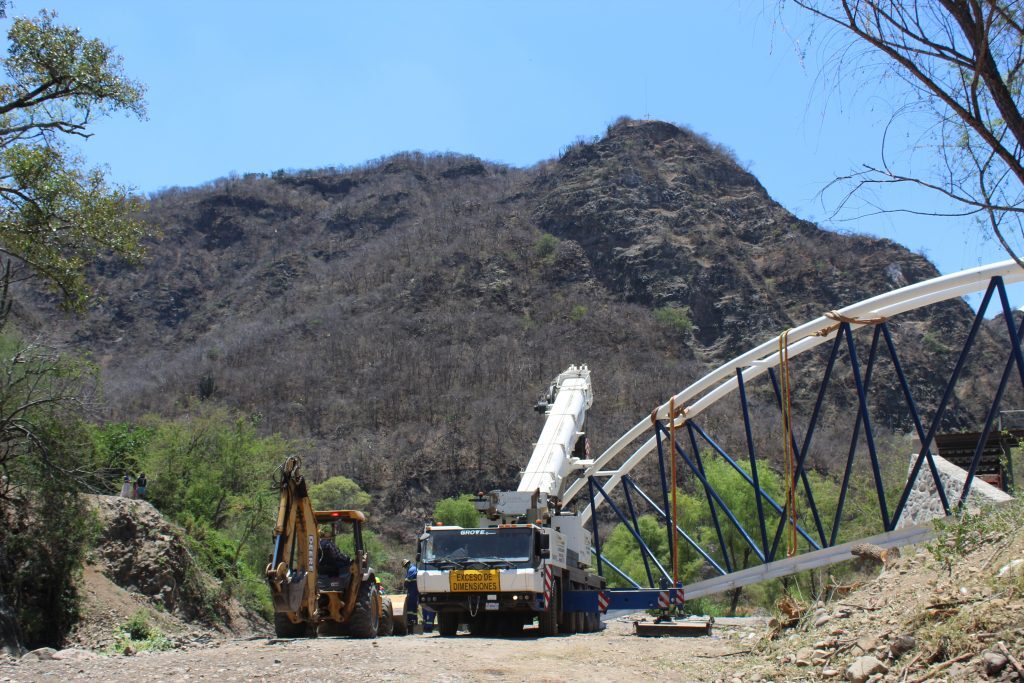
<point x="412" y="595"/>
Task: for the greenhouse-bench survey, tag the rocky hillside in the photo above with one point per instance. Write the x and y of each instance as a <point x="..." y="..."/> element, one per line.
<point x="141" y="562"/>
<point x="401" y="317"/>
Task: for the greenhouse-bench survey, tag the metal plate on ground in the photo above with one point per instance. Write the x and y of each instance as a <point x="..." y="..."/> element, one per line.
<point x="678" y="629"/>
<point x="474" y="580"/>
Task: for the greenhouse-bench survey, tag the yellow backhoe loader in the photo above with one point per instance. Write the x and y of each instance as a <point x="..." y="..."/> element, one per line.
<point x="317" y="588"/>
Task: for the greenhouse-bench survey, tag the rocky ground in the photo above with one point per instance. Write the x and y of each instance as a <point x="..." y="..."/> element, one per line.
<point x="614" y="654"/>
<point x="951" y="611"/>
<point x="947" y="612"/>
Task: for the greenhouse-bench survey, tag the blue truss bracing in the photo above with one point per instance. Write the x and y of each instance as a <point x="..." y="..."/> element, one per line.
<point x="633" y="530"/>
<point x="755" y="480"/>
<point x="594" y="528"/>
<point x="869" y="434"/>
<point x="664" y="490"/>
<point x="1015" y="359"/>
<point x="636" y="527"/>
<point x="919" y="429"/>
<point x="698" y="471"/>
<point x="764" y="494"/>
<point x="628" y="482"/>
<point x="625" y="577"/>
<point x="857" y="378"/>
<point x="800" y="472"/>
<point x="940" y="411"/>
<point x="659" y="430"/>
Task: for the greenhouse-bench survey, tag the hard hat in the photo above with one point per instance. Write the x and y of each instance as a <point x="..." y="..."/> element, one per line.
<point x="406" y="563"/>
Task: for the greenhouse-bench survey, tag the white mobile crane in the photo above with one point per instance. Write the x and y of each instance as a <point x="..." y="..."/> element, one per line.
<point x="527" y="552"/>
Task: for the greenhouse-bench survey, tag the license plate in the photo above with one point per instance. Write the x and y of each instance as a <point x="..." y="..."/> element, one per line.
<point x="474" y="580"/>
<point x="491" y="606"/>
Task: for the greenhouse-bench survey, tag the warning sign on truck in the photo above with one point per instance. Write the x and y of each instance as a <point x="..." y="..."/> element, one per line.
<point x="474" y="580"/>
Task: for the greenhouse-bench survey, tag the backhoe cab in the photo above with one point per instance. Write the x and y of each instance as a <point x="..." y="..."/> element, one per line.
<point x="317" y="588"/>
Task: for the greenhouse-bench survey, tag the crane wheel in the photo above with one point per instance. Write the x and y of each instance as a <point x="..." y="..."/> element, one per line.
<point x="548" y="620"/>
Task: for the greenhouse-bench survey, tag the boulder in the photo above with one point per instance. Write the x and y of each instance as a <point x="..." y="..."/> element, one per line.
<point x="994" y="663"/>
<point x="863" y="668"/>
<point x="39" y="655"/>
<point x="74" y="654"/>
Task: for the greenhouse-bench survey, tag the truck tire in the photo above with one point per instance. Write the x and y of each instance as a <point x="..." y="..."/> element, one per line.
<point x="447" y="623"/>
<point x="387" y="618"/>
<point x="548" y="619"/>
<point x="365" y="618"/>
<point x="286" y="628"/>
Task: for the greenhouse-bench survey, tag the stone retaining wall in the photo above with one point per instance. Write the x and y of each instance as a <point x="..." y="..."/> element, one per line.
<point x="924" y="503"/>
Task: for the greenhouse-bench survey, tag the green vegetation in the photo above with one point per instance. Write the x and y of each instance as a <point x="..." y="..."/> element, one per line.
<point x="577" y="313"/>
<point x="676" y="319"/>
<point x="545" y="247"/>
<point x="338" y="493"/>
<point x="957" y="536"/>
<point x="56" y="216"/>
<point x="43" y="524"/>
<point x="458" y="511"/>
<point x="209" y="472"/>
<point x="138" y="635"/>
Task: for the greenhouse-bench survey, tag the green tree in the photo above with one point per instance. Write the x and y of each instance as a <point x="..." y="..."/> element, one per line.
<point x="675" y="318"/>
<point x="338" y="493"/>
<point x="458" y="511"/>
<point x="41" y="389"/>
<point x="210" y="470"/>
<point x="210" y="463"/>
<point x="117" y="448"/>
<point x="56" y="215"/>
<point x="43" y="522"/>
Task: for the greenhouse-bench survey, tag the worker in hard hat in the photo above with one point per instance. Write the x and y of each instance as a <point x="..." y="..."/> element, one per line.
<point x="412" y="595"/>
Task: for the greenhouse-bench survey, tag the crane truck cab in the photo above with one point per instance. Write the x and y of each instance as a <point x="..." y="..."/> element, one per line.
<point x="526" y="552"/>
<point x="497" y="579"/>
<point x="315" y="586"/>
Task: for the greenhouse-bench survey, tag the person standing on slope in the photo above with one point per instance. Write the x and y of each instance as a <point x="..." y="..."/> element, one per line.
<point x="126" y="487"/>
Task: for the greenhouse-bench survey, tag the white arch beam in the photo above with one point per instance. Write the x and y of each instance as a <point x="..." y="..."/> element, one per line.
<point x="721" y="381"/>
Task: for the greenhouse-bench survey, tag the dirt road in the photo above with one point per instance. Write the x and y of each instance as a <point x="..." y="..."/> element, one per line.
<point x="614" y="654"/>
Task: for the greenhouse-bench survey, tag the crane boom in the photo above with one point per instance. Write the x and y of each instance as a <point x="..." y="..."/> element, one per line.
<point x="556" y="453"/>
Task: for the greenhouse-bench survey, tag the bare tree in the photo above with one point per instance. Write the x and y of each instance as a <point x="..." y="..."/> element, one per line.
<point x="959" y="68"/>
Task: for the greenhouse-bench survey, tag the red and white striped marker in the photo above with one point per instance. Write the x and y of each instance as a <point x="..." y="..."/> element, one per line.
<point x="679" y="596"/>
<point x="603" y="600"/>
<point x="547" y="585"/>
<point x="663" y="599"/>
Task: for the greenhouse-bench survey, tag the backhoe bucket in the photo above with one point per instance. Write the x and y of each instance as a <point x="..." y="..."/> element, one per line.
<point x="289" y="598"/>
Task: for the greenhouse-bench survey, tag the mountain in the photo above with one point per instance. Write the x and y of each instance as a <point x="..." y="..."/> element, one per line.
<point x="401" y="317"/>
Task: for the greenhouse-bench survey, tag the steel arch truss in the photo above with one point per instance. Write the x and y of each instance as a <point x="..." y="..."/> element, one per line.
<point x="819" y="528"/>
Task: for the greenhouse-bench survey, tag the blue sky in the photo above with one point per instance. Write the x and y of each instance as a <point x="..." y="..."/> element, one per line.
<point x="254" y="86"/>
